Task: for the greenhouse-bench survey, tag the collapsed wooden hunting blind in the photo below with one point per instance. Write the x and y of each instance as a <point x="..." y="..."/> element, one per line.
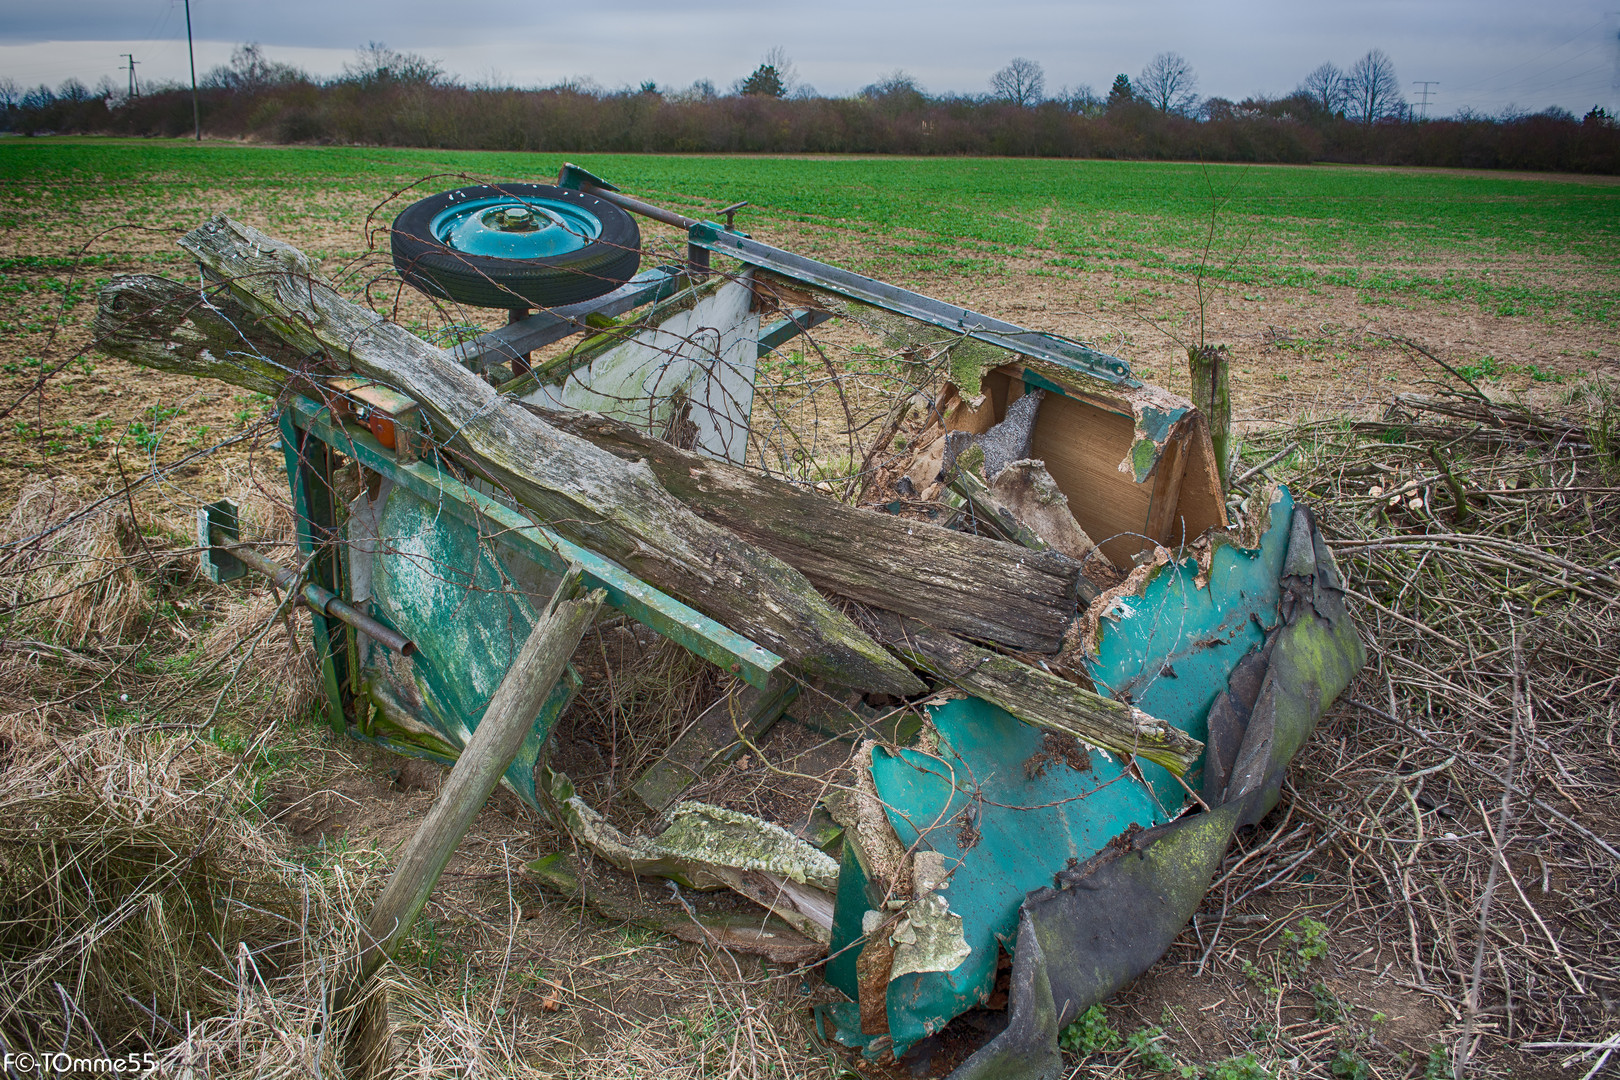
<point x="1109" y="680"/>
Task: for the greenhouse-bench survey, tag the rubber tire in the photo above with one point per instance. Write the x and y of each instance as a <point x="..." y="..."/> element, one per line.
<point x="487" y="281"/>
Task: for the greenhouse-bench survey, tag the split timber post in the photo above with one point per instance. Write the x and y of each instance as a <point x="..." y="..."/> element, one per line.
<point x="494" y="742"/>
<point x="1210" y="367"/>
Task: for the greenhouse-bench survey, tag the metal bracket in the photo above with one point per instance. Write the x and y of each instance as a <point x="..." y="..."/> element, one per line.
<point x="574" y="178"/>
<point x="800" y="321"/>
<point x="218" y="564"/>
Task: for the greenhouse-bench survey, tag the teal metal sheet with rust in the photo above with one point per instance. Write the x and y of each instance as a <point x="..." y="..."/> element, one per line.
<point x="508" y="528"/>
<point x="1031" y="814"/>
<point x="1170" y="647"/>
<point x="437" y="580"/>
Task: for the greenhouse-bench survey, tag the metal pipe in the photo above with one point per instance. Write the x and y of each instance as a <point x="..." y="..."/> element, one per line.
<point x="320" y="599"/>
<point x="636" y="206"/>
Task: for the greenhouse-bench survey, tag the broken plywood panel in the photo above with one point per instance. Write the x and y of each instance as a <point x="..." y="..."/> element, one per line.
<point x="702" y="358"/>
<point x="1136" y="469"/>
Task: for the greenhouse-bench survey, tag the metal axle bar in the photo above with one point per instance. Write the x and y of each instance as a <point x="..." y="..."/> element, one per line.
<point x="316" y="597"/>
<point x="709" y="236"/>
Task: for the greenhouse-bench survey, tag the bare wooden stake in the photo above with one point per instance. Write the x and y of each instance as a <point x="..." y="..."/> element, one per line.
<point x="494" y="743"/>
<point x="1211" y="392"/>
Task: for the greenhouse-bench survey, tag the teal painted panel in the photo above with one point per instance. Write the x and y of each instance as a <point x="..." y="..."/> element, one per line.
<point x="848" y="907"/>
<point x="1029" y="827"/>
<point x="625" y="592"/>
<point x="437" y="581"/>
<point x="1170" y="650"/>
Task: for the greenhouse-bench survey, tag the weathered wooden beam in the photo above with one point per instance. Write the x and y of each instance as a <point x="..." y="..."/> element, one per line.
<point x="615" y="508"/>
<point x="494" y="742"/>
<point x="970" y="585"/>
<point x="1035" y="696"/>
<point x="161" y="324"/>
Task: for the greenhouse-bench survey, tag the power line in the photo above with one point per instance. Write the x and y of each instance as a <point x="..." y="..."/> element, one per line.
<point x="1426" y="92"/>
<point x="196" y="113"/>
<point x="1545" y="52"/>
<point x="134" y="84"/>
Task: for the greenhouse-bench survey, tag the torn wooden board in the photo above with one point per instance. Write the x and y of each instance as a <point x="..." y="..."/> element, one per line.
<point x="1135" y="465"/>
<point x="993" y="591"/>
<point x="709" y="847"/>
<point x="686" y="918"/>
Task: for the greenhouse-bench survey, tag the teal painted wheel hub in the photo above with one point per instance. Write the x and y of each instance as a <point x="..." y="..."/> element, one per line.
<point x="513" y="228"/>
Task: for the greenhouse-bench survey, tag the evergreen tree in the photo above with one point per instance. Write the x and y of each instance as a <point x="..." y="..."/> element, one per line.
<point x="1121" y="93"/>
<point x="766" y="81"/>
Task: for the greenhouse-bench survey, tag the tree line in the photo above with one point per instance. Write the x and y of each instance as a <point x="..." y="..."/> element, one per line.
<point x="387" y="97"/>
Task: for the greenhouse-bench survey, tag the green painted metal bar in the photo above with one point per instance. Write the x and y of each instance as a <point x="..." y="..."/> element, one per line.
<point x="626" y="592"/>
<point x="545" y="327"/>
<point x="312" y="509"/>
<point x="1010" y="336"/>
<point x="797" y="322"/>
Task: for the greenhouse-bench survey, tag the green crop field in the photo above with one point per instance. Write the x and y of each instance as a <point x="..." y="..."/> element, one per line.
<point x="1509" y="245"/>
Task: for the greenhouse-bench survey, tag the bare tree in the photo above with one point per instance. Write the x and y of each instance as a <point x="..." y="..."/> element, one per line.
<point x="251" y="70"/>
<point x="896" y="92"/>
<point x="1081" y="100"/>
<point x="1372" y="91"/>
<point x="10" y="93"/>
<point x="376" y="64"/>
<point x="1326" y="87"/>
<point x="1168" y="84"/>
<point x="1022" y="82"/>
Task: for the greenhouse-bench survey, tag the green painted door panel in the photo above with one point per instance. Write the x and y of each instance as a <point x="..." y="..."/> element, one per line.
<point x="437" y="581"/>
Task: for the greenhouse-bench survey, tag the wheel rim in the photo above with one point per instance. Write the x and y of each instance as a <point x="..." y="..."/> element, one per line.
<point x="509" y="227"/>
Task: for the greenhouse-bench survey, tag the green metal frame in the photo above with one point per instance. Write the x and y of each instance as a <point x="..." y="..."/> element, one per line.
<point x="309" y="475"/>
<point x="311" y="436"/>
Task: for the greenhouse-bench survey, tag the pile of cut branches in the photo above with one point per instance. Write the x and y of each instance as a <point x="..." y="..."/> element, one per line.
<point x="1468" y="813"/>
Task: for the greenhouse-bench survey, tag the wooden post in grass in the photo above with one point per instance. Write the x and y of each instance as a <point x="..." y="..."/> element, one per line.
<point x="1209" y="366"/>
<point x="494" y="743"/>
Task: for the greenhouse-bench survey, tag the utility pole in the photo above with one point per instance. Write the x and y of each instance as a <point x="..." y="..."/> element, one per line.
<point x="196" y="113"/>
<point x="1426" y="92"/>
<point x="134" y="85"/>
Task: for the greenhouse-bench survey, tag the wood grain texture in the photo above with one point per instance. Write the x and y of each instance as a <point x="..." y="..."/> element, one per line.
<point x="970" y="585"/>
<point x="1035" y="696"/>
<point x="616" y="508"/>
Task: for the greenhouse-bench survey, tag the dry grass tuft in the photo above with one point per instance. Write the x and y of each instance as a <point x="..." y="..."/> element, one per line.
<point x="80" y="577"/>
<point x="131" y="883"/>
<point x="275" y="674"/>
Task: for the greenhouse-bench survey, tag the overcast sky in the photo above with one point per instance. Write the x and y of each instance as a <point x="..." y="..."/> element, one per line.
<point x="1484" y="54"/>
